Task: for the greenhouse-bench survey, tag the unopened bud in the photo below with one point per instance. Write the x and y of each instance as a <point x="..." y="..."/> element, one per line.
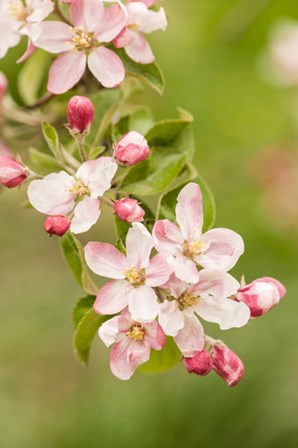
<point x="56" y="225"/>
<point x="227" y="364"/>
<point x="129" y="210"/>
<point x="201" y="364"/>
<point x="12" y="173"/>
<point x="80" y="113"/>
<point x="261" y="295"/>
<point x="3" y="85"/>
<point x="131" y="149"/>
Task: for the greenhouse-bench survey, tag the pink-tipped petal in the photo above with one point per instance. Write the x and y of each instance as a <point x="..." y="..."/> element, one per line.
<point x="105" y="260"/>
<point x="190" y="340"/>
<point x="167" y="238"/>
<point x="97" y="175"/>
<point x="224" y="249"/>
<point x="184" y="269"/>
<point x="126" y="356"/>
<point x="86" y="214"/>
<point x="139" y="50"/>
<point x="112" y="23"/>
<point x="139" y="245"/>
<point x="189" y="211"/>
<point x="112" y="297"/>
<point x="143" y="305"/>
<point x="158" y="271"/>
<point x="106" y="66"/>
<point x="66" y="72"/>
<point x="281" y="288"/>
<point x="171" y="318"/>
<point x="86" y="14"/>
<point x="53" y="36"/>
<point x="154" y="335"/>
<point x="108" y="331"/>
<point x="29" y="51"/>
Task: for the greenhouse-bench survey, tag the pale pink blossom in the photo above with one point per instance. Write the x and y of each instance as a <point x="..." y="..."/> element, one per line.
<point x="261" y="295"/>
<point x="132" y="342"/>
<point x="186" y="246"/>
<point x="60" y="193"/>
<point x="140" y="20"/>
<point x="83" y="44"/>
<point x="12" y="172"/>
<point x="227" y="364"/>
<point x="134" y="275"/>
<point x="56" y="225"/>
<point x="80" y="114"/>
<point x="16" y="19"/>
<point x="209" y="299"/>
<point x="131" y="149"/>
<point x="128" y="210"/>
<point x="200" y="364"/>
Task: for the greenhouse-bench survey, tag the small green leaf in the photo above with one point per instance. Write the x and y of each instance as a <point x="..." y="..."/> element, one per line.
<point x="96" y="152"/>
<point x="32" y="76"/>
<point x="122" y="228"/>
<point x="84" y="334"/>
<point x="43" y="163"/>
<point x="168" y="203"/>
<point x="139" y="119"/>
<point x="52" y="139"/>
<point x="120" y="246"/>
<point x="74" y="256"/>
<point x="82" y="306"/>
<point x="149" y="73"/>
<point x="162" y="360"/>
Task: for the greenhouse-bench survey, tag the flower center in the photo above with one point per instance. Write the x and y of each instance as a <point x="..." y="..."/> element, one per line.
<point x="84" y="41"/>
<point x="133" y="27"/>
<point x="136" y="332"/>
<point x="135" y="277"/>
<point x="79" y="188"/>
<point x="187" y="300"/>
<point x="18" y="10"/>
<point x="194" y="248"/>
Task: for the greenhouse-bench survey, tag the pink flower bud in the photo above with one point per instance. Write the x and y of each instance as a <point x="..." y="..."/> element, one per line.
<point x="129" y="210"/>
<point x="3" y="85"/>
<point x="56" y="225"/>
<point x="131" y="149"/>
<point x="201" y="364"/>
<point x="80" y="113"/>
<point x="227" y="364"/>
<point x="12" y="173"/>
<point x="261" y="295"/>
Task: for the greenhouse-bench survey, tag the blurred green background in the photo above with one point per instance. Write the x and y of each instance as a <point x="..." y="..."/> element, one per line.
<point x="246" y="132"/>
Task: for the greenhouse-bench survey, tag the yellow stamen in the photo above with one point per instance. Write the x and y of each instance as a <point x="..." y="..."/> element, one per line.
<point x="79" y="188"/>
<point x="19" y="11"/>
<point x="187" y="300"/>
<point x="135" y="277"/>
<point x="84" y="41"/>
<point x="194" y="248"/>
<point x="136" y="332"/>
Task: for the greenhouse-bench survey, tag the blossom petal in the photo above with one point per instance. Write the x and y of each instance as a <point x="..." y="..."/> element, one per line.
<point x="143" y="305"/>
<point x="66" y="72"/>
<point x="106" y="66"/>
<point x="225" y="312"/>
<point x="139" y="244"/>
<point x="112" y="23"/>
<point x="189" y="212"/>
<point x="158" y="271"/>
<point x="170" y="318"/>
<point x="139" y="50"/>
<point x="112" y="297"/>
<point x="105" y="260"/>
<point x="126" y="356"/>
<point x="216" y="283"/>
<point x="108" y="331"/>
<point x="146" y="20"/>
<point x="86" y="14"/>
<point x="190" y="340"/>
<point x="97" y="175"/>
<point x="224" y="249"/>
<point x="167" y="238"/>
<point x="52" y="36"/>
<point x="184" y="269"/>
<point x="154" y="335"/>
<point x="86" y="214"/>
<point x="50" y="195"/>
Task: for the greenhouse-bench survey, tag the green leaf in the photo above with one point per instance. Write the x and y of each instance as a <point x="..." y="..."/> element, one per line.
<point x="168" y="203"/>
<point x="122" y="228"/>
<point x="52" y="139"/>
<point x="82" y="306"/>
<point x="162" y="360"/>
<point x="32" y="76"/>
<point x="43" y="163"/>
<point x="139" y="119"/>
<point x="96" y="152"/>
<point x="149" y="73"/>
<point x="74" y="256"/>
<point x="84" y="334"/>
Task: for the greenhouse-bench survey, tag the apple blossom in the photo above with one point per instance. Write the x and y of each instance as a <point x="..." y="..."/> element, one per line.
<point x="82" y="44"/>
<point x="261" y="295"/>
<point x="185" y="246"/>
<point x="16" y="19"/>
<point x="200" y="364"/>
<point x="132" y="342"/>
<point x="129" y="210"/>
<point x="80" y="113"/>
<point x="12" y="173"/>
<point x="61" y="193"/>
<point x="209" y="299"/>
<point x="134" y="275"/>
<point x="56" y="225"/>
<point x="132" y="148"/>
<point x="140" y="20"/>
<point x="227" y="364"/>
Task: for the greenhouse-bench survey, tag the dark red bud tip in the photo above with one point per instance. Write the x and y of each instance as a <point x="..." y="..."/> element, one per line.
<point x="56" y="225"/>
<point x="12" y="173"/>
<point x="200" y="364"/>
<point x="227" y="364"/>
<point x="80" y="113"/>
